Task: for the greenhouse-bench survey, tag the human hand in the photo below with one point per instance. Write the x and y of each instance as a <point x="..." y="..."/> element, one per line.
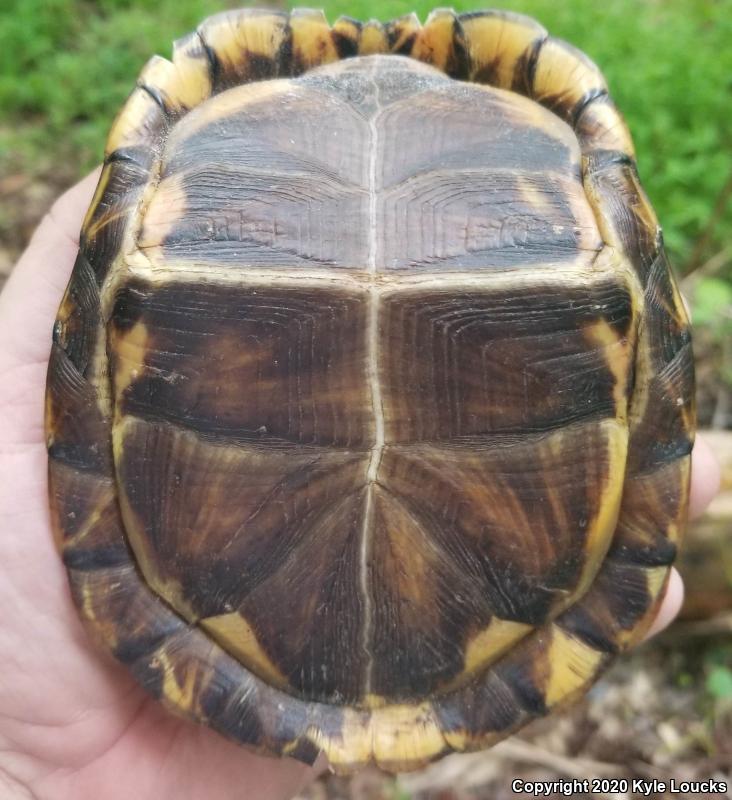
<point x="72" y="724"/>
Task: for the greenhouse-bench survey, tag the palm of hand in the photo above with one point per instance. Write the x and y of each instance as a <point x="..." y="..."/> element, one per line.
<point x="73" y="725"/>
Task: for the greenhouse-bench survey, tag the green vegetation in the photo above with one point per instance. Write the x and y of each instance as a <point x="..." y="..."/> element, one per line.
<point x="66" y="65"/>
<point x="719" y="682"/>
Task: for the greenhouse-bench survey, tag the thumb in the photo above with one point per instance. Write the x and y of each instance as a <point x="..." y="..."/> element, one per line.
<point x="31" y="297"/>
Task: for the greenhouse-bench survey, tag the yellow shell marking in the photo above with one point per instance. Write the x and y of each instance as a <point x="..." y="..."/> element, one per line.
<point x="373" y="39"/>
<point x="104" y="629"/>
<point x="98" y="194"/>
<point x="184" y="83"/>
<point x="602" y="527"/>
<point x="435" y="41"/>
<point x="408" y="25"/>
<point x="609" y="130"/>
<point x="346" y="27"/>
<point x="130" y="349"/>
<point x="498" y="43"/>
<point x="236" y="636"/>
<point x="311" y="38"/>
<point x="562" y="71"/>
<point x="184" y="696"/>
<point x="492" y="642"/>
<point x="394" y="734"/>
<point x="617" y="352"/>
<point x="236" y="37"/>
<point x="129" y="129"/>
<point x="571" y="664"/>
<point x="166" y="207"/>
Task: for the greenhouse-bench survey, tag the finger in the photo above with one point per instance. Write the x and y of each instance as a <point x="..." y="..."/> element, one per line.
<point x="705" y="477"/>
<point x="31" y="297"/>
<point x="670" y="605"/>
<point x="705" y="481"/>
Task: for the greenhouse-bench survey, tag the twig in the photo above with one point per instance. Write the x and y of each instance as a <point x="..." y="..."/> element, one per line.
<point x="721" y="623"/>
<point x="710" y="267"/>
<point x="529" y="753"/>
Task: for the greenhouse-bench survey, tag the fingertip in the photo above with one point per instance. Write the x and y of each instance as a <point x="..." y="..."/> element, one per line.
<point x="69" y="209"/>
<point x="32" y="294"/>
<point x="705" y="477"/>
<point x="670" y="605"/>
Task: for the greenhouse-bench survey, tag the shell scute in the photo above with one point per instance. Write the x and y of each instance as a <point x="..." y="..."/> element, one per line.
<point x="401" y="33"/>
<point x="497" y="43"/>
<point x="245" y="45"/>
<point x="564" y="78"/>
<point x="441" y="43"/>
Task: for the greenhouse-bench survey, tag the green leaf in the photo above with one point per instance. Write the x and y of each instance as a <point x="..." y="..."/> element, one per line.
<point x="713" y="303"/>
<point x="719" y="682"/>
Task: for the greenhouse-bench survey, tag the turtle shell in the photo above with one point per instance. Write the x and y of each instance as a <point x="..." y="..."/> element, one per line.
<point x="370" y="402"/>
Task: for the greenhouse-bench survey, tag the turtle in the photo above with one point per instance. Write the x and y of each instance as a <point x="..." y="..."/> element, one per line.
<point x="371" y="398"/>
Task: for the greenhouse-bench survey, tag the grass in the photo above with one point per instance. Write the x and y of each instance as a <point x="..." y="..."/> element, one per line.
<point x="66" y="65"/>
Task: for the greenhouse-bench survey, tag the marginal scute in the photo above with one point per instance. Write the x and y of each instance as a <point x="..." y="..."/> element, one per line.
<point x="346" y="33"/>
<point x="600" y="126"/>
<point x="312" y="42"/>
<point x="140" y="123"/>
<point x="178" y="86"/>
<point x="496" y="42"/>
<point x="373" y="39"/>
<point x="440" y="43"/>
<point x="75" y="429"/>
<point x="572" y="665"/>
<point x="564" y="77"/>
<point x="78" y="319"/>
<point x="244" y="45"/>
<point x="624" y="214"/>
<point x="391" y="736"/>
<point x="401" y="33"/>
<point x="118" y="193"/>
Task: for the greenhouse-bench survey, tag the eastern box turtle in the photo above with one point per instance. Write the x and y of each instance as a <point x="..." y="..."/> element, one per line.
<point x="370" y="404"/>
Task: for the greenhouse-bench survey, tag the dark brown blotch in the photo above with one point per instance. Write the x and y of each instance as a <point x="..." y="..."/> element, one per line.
<point x="458" y="62"/>
<point x="103" y="546"/>
<point x="487" y="73"/>
<point x="309" y="614"/>
<point x="525" y="69"/>
<point x="300" y="353"/>
<point x="418" y="629"/>
<point x="484" y="706"/>
<point x="471" y="363"/>
<point x="624" y="587"/>
<point x="78" y="434"/>
<point x="562" y="104"/>
<point x="121" y="611"/>
<point x="614" y="178"/>
<point x="139" y="157"/>
<point x="526" y="671"/>
<point x="77" y="327"/>
<point x="591" y="622"/>
<point x="345" y="34"/>
<point x="654" y="502"/>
